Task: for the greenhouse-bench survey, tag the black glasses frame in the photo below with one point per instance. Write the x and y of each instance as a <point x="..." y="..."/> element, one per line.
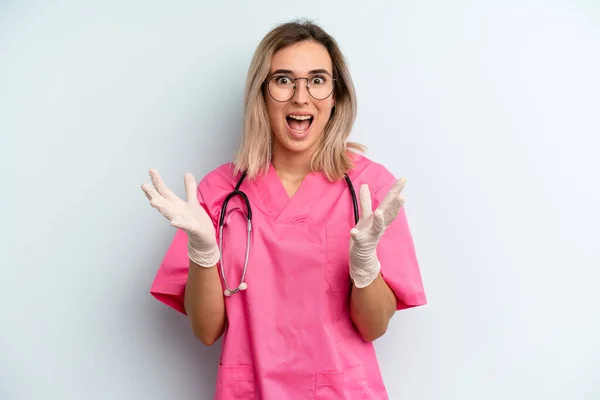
<point x="294" y="92"/>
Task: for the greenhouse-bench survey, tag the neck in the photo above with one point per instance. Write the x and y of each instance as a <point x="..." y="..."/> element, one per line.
<point x="291" y="166"/>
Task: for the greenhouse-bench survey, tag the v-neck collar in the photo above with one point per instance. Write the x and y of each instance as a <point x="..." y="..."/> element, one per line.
<point x="279" y="205"/>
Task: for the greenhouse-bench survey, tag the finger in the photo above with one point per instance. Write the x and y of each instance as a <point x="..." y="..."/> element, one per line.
<point x="164" y="207"/>
<point x="366" y="205"/>
<point x="190" y="188"/>
<point x="392" y="194"/>
<point x="159" y="184"/>
<point x="149" y="191"/>
<point x="391" y="212"/>
<point x="378" y="222"/>
<point x="355" y="234"/>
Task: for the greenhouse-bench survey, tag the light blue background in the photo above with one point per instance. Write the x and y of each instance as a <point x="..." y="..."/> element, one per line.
<point x="489" y="109"/>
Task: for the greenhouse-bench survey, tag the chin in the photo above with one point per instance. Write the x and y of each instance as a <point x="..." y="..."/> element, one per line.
<point x="295" y="142"/>
<point x="299" y="148"/>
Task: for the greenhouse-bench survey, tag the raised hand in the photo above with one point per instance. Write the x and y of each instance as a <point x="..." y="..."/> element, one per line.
<point x="365" y="236"/>
<point x="186" y="215"/>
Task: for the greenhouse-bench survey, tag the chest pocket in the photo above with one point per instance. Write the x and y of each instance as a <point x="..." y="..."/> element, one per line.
<point x="337" y="274"/>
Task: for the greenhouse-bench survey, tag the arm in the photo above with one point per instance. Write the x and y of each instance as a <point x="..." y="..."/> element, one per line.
<point x="202" y="296"/>
<point x="372" y="301"/>
<point x="371" y="308"/>
<point x="204" y="303"/>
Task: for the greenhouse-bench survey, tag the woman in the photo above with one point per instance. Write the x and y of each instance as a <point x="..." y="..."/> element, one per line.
<point x="319" y="287"/>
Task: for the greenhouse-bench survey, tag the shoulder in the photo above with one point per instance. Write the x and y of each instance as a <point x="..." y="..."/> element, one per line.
<point x="215" y="186"/>
<point x="219" y="178"/>
<point x="372" y="173"/>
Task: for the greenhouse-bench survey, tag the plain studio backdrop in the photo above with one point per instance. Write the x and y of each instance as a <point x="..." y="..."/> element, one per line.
<point x="491" y="110"/>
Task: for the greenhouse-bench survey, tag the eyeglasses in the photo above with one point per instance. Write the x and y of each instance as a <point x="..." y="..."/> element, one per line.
<point x="283" y="87"/>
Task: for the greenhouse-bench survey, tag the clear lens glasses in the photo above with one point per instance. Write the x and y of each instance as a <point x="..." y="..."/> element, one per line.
<point x="283" y="87"/>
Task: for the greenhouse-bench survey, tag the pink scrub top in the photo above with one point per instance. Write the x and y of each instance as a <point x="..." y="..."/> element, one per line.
<point x="289" y="335"/>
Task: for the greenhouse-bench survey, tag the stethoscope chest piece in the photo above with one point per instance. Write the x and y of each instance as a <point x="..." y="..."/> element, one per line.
<point x="243" y="286"/>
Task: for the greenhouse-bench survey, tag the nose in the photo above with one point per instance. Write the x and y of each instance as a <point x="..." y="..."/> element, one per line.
<point x="301" y="94"/>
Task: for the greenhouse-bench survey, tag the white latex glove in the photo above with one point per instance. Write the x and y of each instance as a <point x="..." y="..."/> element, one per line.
<point x="187" y="215"/>
<point x="365" y="236"/>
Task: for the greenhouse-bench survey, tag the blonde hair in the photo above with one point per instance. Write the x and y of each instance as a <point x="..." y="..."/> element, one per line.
<point x="256" y="147"/>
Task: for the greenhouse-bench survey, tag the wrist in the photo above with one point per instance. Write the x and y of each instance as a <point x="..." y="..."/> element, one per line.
<point x="364" y="273"/>
<point x="205" y="257"/>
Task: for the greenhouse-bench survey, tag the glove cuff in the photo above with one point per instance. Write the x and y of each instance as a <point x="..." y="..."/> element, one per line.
<point x="365" y="274"/>
<point x="205" y="259"/>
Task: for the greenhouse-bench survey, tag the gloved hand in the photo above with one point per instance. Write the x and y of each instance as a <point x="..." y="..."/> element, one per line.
<point x="187" y="215"/>
<point x="365" y="236"/>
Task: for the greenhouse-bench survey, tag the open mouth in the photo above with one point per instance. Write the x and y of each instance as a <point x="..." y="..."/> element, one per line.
<point x="299" y="123"/>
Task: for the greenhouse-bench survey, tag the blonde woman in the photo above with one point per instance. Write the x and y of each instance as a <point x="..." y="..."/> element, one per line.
<point x="275" y="251"/>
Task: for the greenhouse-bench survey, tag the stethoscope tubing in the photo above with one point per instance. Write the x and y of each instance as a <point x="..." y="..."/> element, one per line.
<point x="237" y="192"/>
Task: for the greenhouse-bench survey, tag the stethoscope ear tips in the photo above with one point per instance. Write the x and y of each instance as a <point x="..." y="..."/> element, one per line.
<point x="243" y="286"/>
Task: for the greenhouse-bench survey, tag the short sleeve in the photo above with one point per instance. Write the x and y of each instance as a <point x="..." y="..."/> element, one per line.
<point x="169" y="283"/>
<point x="168" y="286"/>
<point x="398" y="259"/>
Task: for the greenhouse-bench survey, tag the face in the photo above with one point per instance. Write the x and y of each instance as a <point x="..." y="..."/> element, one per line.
<point x="299" y="123"/>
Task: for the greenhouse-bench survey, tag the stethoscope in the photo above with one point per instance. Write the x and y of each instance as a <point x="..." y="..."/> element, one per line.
<point x="238" y="192"/>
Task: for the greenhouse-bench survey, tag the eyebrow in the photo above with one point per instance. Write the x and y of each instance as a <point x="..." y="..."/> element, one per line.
<point x="312" y="72"/>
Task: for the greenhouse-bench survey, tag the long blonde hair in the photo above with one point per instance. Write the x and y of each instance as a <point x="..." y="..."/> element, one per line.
<point x="256" y="147"/>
